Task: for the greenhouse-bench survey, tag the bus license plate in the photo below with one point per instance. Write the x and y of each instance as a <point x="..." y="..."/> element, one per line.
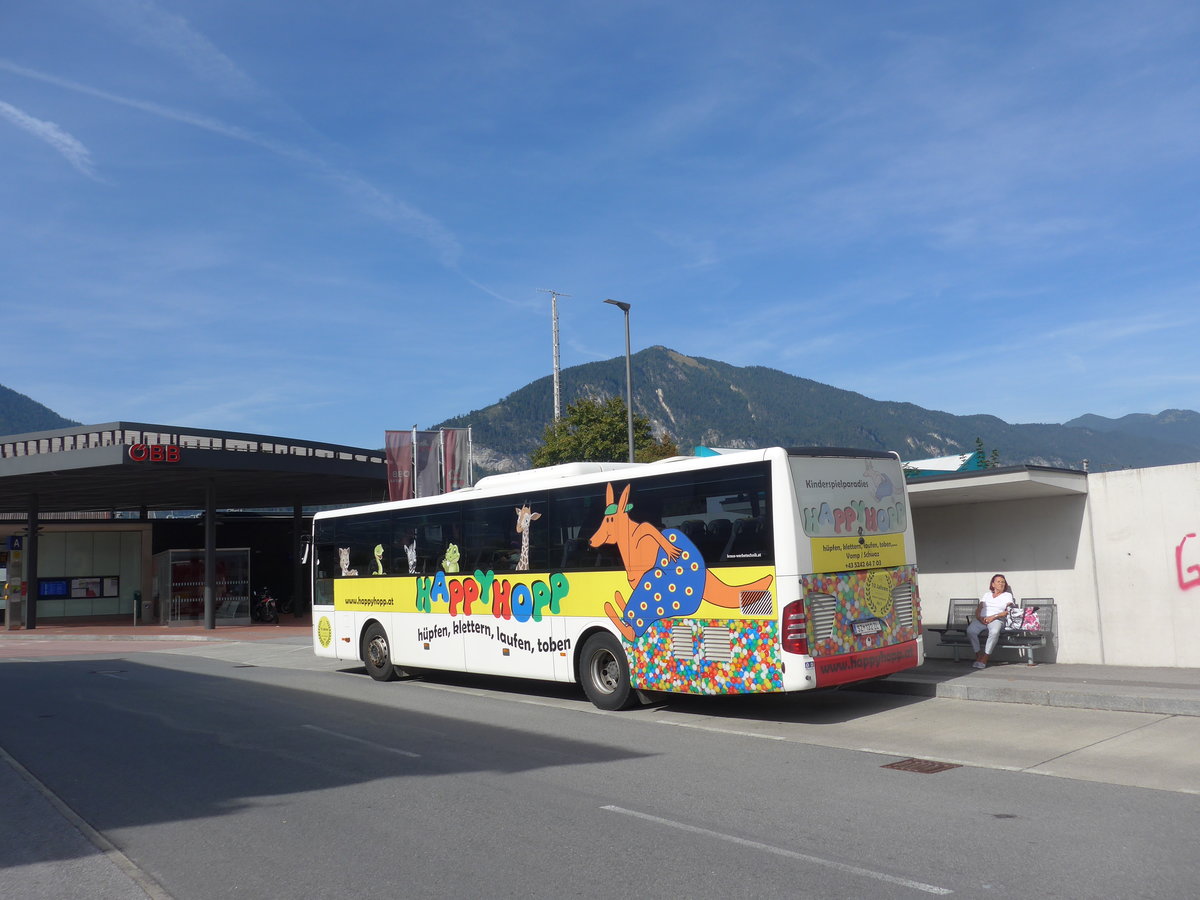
<point x="870" y="626"/>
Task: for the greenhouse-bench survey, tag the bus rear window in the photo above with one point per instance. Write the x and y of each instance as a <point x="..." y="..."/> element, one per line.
<point x="840" y="496"/>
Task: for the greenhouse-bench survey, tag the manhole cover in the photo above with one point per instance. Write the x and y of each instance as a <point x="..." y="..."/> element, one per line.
<point x="923" y="766"/>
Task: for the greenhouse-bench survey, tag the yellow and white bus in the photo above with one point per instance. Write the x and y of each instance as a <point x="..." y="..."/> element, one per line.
<point x="751" y="571"/>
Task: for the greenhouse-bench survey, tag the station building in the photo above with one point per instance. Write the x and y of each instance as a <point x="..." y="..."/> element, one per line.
<point x="151" y="521"/>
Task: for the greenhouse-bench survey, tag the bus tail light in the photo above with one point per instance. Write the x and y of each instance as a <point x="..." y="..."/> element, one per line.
<point x="795" y="628"/>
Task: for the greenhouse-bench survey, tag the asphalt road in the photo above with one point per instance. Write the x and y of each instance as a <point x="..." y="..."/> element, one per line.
<point x="258" y="771"/>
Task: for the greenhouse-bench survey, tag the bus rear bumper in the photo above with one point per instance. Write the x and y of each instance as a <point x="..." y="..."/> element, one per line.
<point x="848" y="667"/>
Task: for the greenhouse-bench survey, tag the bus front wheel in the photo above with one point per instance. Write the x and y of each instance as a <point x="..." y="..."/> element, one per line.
<point x="377" y="653"/>
<point x="604" y="671"/>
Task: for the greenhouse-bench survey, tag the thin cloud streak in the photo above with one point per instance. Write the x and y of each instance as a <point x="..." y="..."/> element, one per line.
<point x="145" y="23"/>
<point x="71" y="149"/>
<point x="369" y="198"/>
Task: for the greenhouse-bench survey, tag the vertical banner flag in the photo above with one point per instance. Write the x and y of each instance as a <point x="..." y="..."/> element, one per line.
<point x="399" y="445"/>
<point x="456" y="453"/>
<point x="427" y="446"/>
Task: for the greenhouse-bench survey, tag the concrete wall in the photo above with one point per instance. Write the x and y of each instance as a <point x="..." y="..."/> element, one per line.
<point x="1108" y="560"/>
<point x="120" y="548"/>
<point x="1149" y="605"/>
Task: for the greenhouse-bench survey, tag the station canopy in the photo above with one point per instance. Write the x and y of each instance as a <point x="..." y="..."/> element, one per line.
<point x="128" y="466"/>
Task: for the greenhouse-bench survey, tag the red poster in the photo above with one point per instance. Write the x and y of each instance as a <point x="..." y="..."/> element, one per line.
<point x="399" y="445"/>
<point x="457" y="450"/>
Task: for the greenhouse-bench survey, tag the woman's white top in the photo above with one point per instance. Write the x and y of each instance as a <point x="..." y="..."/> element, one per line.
<point x="993" y="604"/>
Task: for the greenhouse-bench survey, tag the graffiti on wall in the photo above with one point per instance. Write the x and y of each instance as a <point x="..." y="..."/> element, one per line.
<point x="1189" y="576"/>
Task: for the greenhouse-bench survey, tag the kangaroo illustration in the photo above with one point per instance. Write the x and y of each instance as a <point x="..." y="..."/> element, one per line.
<point x="666" y="572"/>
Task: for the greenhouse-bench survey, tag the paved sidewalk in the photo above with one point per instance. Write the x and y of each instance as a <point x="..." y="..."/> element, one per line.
<point x="1166" y="691"/>
<point x="124" y="630"/>
<point x="50" y="852"/>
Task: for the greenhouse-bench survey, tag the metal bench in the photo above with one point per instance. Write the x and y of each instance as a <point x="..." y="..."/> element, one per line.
<point x="962" y="610"/>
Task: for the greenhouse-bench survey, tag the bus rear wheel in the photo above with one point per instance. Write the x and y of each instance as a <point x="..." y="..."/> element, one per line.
<point x="377" y="654"/>
<point x="604" y="672"/>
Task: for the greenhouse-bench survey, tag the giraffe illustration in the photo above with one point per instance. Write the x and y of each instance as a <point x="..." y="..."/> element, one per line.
<point x="524" y="518"/>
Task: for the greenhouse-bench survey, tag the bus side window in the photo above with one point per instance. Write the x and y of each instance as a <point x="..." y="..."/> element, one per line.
<point x="693" y="530"/>
<point x="325" y="561"/>
<point x="748" y="541"/>
<point x="574" y="516"/>
<point x="716" y="539"/>
<point x="577" y="554"/>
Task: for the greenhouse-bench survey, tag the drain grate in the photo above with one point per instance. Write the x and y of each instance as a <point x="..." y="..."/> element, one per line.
<point x="921" y="766"/>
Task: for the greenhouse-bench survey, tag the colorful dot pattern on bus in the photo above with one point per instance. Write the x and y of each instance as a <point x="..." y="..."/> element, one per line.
<point x="672" y="588"/>
<point x="852" y="592"/>
<point x="753" y="666"/>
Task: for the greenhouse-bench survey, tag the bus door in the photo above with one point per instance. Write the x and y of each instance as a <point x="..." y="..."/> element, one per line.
<point x="563" y="649"/>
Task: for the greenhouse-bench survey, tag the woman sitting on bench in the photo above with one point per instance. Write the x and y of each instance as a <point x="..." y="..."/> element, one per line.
<point x="989" y="616"/>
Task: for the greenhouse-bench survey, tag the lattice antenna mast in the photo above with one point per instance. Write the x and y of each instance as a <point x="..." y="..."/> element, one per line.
<point x="554" y="295"/>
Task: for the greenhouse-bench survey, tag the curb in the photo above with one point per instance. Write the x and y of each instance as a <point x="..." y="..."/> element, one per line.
<point x="49" y="636"/>
<point x="1158" y="702"/>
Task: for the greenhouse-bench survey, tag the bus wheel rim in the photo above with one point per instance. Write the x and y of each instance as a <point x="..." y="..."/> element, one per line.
<point x="605" y="671"/>
<point x="377" y="651"/>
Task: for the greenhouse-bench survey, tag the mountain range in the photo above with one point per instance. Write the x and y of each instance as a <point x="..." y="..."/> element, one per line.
<point x="706" y="402"/>
<point x="20" y="415"/>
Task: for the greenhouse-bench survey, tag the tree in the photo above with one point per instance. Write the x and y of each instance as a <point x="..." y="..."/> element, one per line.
<point x="595" y="431"/>
<point x="982" y="457"/>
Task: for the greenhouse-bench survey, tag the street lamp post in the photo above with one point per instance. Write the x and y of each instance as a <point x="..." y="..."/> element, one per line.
<point x="628" y="376"/>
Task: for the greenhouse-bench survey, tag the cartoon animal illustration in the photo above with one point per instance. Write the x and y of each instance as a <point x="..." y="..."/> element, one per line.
<point x="524" y="517"/>
<point x="666" y="572"/>
<point x="450" y="561"/>
<point x="878" y="480"/>
<point x="379" y="559"/>
<point x="410" y="551"/>
<point x="344" y="561"/>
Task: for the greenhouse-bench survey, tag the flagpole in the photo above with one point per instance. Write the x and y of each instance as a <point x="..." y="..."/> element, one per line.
<point x="444" y="482"/>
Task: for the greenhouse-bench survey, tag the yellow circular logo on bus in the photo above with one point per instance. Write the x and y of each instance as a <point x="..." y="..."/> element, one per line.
<point x="324" y="632"/>
<point x="879" y="593"/>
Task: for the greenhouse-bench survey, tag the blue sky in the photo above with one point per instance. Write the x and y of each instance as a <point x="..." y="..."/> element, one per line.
<point x="322" y="220"/>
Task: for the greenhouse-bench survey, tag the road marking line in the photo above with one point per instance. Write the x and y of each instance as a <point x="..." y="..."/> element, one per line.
<point x="780" y="851"/>
<point x="352" y="739"/>
<point x="142" y="879"/>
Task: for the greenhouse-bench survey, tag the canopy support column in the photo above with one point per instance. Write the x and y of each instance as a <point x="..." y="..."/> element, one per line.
<point x="210" y="556"/>
<point x="31" y="565"/>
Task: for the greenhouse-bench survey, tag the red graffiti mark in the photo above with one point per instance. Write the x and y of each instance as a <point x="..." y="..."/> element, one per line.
<point x="1179" y="570"/>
